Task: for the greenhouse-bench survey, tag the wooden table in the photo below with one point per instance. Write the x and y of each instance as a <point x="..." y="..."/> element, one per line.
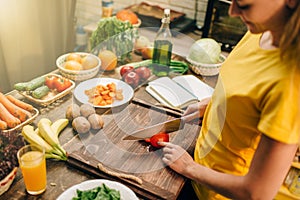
<point x="132" y="157"/>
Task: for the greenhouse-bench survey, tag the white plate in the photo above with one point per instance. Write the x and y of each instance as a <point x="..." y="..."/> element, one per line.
<point x="125" y="192"/>
<point x="83" y="98"/>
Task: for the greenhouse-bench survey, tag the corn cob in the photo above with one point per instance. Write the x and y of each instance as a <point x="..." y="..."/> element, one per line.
<point x="31" y="137"/>
<point x="59" y="125"/>
<point x="47" y="133"/>
<point x="56" y="127"/>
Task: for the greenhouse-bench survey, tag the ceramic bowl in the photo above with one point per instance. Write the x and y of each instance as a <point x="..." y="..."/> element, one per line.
<point x="78" y="75"/>
<point x="206" y="69"/>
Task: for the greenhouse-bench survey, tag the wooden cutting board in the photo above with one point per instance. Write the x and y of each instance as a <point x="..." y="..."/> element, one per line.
<point x="133" y="157"/>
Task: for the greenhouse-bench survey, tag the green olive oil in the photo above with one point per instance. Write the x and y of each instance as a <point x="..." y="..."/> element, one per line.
<point x="162" y="51"/>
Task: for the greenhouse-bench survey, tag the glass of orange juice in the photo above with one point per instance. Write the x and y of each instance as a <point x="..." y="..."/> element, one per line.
<point x="33" y="166"/>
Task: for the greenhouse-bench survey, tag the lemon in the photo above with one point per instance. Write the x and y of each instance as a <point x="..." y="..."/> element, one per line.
<point x="89" y="62"/>
<point x="108" y="59"/>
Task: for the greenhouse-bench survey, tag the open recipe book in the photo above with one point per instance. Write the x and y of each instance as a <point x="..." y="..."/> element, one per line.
<point x="179" y="91"/>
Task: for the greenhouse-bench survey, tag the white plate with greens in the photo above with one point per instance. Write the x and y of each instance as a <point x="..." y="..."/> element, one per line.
<point x="125" y="192"/>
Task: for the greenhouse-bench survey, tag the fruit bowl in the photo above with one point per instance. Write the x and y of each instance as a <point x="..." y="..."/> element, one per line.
<point x="138" y="24"/>
<point x="78" y="74"/>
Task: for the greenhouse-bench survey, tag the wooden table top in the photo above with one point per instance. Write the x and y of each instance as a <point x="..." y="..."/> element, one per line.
<point x="131" y="157"/>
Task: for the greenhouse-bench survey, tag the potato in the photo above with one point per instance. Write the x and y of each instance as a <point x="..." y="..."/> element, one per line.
<point x="86" y="110"/>
<point x="72" y="112"/>
<point x="96" y="121"/>
<point x="81" y="125"/>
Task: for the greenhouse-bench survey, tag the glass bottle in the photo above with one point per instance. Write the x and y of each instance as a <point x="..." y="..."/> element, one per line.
<point x="107" y="8"/>
<point x="81" y="39"/>
<point x="162" y="51"/>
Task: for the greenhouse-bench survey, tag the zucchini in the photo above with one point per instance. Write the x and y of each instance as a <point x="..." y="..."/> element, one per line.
<point x="40" y="92"/>
<point x="35" y="83"/>
<point x="21" y="86"/>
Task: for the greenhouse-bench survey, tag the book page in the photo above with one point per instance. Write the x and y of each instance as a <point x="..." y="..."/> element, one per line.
<point x="167" y="91"/>
<point x="194" y="85"/>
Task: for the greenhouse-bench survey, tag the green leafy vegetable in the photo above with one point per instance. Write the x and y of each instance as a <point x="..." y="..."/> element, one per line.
<point x="176" y="66"/>
<point x="205" y="50"/>
<point x="102" y="192"/>
<point x="114" y="35"/>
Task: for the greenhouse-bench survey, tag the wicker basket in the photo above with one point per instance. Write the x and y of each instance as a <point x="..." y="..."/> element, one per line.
<point x="206" y="69"/>
<point x="7" y="181"/>
<point x="77" y="75"/>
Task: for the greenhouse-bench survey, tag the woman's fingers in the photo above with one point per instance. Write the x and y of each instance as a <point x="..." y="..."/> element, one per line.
<point x="171" y="151"/>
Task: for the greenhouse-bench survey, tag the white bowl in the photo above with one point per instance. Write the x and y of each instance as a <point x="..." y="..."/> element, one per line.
<point x="206" y="69"/>
<point x="77" y="75"/>
<point x="7" y="181"/>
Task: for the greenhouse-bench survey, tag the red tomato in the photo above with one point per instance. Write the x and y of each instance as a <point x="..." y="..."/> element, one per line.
<point x="125" y="69"/>
<point x="49" y="81"/>
<point x="159" y="137"/>
<point x="147" y="140"/>
<point x="62" y="84"/>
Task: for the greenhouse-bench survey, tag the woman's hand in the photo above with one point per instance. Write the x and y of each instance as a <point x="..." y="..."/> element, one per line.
<point x="195" y="111"/>
<point x="176" y="157"/>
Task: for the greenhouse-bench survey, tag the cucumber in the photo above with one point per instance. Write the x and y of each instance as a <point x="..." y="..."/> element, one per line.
<point x="35" y="83"/>
<point x="21" y="86"/>
<point x="40" y="92"/>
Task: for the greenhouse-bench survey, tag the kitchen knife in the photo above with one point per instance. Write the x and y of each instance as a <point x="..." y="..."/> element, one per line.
<point x="167" y="127"/>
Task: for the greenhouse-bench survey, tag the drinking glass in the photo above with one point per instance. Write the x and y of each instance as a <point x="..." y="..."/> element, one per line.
<point x="32" y="162"/>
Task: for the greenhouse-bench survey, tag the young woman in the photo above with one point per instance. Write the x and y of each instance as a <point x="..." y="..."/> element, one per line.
<point x="251" y="128"/>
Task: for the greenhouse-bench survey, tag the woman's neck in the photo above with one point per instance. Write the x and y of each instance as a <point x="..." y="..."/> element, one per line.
<point x="269" y="40"/>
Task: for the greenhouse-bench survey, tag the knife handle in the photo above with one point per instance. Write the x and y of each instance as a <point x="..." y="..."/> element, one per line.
<point x="150" y="105"/>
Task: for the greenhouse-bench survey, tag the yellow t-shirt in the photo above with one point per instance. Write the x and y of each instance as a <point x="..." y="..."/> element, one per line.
<point x="256" y="94"/>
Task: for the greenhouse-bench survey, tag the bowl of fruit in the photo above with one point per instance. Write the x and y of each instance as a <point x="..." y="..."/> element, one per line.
<point x="78" y="66"/>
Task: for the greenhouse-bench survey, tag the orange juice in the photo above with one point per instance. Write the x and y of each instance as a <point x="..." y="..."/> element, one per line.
<point x="33" y="167"/>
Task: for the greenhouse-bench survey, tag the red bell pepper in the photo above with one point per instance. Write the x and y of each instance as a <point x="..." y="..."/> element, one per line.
<point x="49" y="81"/>
<point x="62" y="84"/>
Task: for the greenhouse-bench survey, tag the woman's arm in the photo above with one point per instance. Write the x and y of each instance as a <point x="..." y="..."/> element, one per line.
<point x="196" y="110"/>
<point x="268" y="169"/>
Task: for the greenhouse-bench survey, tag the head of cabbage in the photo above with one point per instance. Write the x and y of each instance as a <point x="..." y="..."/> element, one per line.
<point x="205" y="50"/>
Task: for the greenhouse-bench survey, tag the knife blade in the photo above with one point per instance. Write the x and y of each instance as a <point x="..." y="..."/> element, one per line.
<point x="167" y="127"/>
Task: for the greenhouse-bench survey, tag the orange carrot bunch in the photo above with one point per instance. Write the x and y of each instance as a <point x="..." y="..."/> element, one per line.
<point x="13" y="111"/>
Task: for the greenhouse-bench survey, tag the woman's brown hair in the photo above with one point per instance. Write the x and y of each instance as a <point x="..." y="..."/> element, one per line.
<point x="290" y="40"/>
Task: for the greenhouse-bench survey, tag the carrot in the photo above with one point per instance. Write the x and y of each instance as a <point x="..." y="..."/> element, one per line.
<point x="16" y="111"/>
<point x="6" y="116"/>
<point x="3" y="125"/>
<point x="20" y="103"/>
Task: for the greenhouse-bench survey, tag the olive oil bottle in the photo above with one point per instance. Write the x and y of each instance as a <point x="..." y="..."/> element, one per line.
<point x="162" y="51"/>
